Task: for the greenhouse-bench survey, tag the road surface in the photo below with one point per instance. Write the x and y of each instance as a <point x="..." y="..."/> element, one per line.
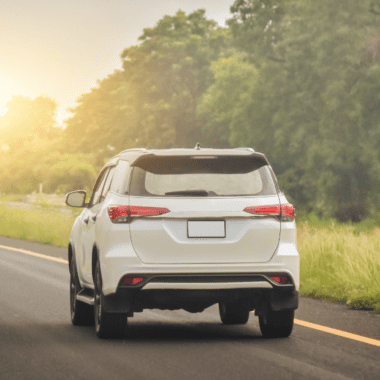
<point x="37" y="340"/>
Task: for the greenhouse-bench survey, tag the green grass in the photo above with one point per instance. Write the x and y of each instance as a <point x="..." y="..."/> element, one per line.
<point x="341" y="263"/>
<point x="338" y="262"/>
<point x="41" y="225"/>
<point x="12" y="197"/>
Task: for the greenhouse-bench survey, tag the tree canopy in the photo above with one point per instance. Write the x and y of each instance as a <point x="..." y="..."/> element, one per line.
<point x="297" y="80"/>
<point x="153" y="101"/>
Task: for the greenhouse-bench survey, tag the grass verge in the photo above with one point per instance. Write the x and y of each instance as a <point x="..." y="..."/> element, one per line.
<point x="340" y="263"/>
<point x="40" y="225"/>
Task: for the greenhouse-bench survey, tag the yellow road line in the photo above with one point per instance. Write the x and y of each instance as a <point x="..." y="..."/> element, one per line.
<point x="344" y="334"/>
<point x="310" y="325"/>
<point x="35" y="254"/>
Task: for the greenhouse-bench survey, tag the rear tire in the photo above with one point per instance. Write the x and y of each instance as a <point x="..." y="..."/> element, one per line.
<point x="81" y="313"/>
<point x="232" y="313"/>
<point x="277" y="324"/>
<point x="107" y="325"/>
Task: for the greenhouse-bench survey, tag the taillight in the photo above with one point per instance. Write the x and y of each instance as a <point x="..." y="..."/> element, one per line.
<point x="287" y="211"/>
<point x="132" y="280"/>
<point x="120" y="214"/>
<point x="280" y="279"/>
<point x="148" y="211"/>
<point x="264" y="210"/>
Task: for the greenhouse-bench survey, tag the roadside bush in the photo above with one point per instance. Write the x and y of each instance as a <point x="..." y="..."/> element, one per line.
<point x="364" y="301"/>
<point x="70" y="174"/>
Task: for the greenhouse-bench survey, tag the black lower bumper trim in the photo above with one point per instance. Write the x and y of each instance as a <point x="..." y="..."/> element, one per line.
<point x="135" y="300"/>
<point x="279" y="301"/>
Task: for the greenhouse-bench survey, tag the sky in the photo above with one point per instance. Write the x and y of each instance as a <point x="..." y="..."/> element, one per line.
<point x="60" y="48"/>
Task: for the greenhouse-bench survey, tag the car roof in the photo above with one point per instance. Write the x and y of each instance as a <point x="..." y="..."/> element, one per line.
<point x="132" y="154"/>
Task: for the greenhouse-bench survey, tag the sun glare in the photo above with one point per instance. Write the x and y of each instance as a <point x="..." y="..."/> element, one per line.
<point x="9" y="87"/>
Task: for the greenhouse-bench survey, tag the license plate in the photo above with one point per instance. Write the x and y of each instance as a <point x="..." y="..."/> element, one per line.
<point x="206" y="229"/>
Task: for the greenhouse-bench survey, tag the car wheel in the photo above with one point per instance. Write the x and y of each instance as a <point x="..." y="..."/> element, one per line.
<point x="276" y="324"/>
<point x="107" y="325"/>
<point x="81" y="313"/>
<point x="232" y="313"/>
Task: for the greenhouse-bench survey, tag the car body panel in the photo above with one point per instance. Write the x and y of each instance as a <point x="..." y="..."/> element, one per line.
<point x="248" y="239"/>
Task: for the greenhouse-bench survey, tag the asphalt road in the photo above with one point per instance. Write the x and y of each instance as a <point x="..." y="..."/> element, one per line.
<point x="37" y="340"/>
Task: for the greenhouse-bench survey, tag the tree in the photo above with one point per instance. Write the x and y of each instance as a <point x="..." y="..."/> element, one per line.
<point x="153" y="101"/>
<point x="28" y="120"/>
<point x="258" y="26"/>
<point x="318" y="119"/>
<point x="69" y="173"/>
<point x="228" y="100"/>
<point x="169" y="72"/>
<point x="29" y="135"/>
<point x="104" y="120"/>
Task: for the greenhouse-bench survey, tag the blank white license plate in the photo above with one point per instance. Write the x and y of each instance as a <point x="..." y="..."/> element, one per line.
<point x="206" y="228"/>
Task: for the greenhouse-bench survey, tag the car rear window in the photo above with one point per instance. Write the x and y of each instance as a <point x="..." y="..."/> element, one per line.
<point x="208" y="176"/>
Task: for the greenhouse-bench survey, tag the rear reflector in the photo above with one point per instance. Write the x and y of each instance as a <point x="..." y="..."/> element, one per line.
<point x="120" y="214"/>
<point x="280" y="279"/>
<point x="132" y="280"/>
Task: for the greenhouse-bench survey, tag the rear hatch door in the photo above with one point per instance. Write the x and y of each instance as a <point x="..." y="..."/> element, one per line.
<point x="205" y="220"/>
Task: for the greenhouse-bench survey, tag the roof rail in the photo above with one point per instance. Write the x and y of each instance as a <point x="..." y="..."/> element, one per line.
<point x="132" y="150"/>
<point x="246" y="148"/>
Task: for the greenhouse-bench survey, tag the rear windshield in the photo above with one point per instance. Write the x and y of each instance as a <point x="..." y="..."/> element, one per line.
<point x="193" y="176"/>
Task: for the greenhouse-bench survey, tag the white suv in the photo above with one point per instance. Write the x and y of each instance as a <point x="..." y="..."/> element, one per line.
<point x="184" y="229"/>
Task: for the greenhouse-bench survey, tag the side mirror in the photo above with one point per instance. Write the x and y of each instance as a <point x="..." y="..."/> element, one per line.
<point x="76" y="198"/>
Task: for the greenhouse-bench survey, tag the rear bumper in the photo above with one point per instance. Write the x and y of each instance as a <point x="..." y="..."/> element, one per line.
<point x="114" y="268"/>
<point x="120" y="259"/>
<point x="194" y="293"/>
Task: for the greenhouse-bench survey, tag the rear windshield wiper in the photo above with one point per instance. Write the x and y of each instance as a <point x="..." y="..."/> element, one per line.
<point x="199" y="193"/>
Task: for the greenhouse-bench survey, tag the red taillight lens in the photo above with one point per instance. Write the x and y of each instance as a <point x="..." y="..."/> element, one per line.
<point x="288" y="213"/>
<point x="148" y="211"/>
<point x="119" y="214"/>
<point x="264" y="210"/>
<point x="132" y="280"/>
<point x="280" y="279"/>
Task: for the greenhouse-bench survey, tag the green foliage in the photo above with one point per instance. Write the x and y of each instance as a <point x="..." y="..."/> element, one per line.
<point x="28" y="121"/>
<point x="153" y="101"/>
<point x="339" y="264"/>
<point x="36" y="225"/>
<point x="297" y="80"/>
<point x="365" y="301"/>
<point x="105" y="120"/>
<point x="258" y="26"/>
<point x="169" y="71"/>
<point x="70" y="173"/>
<point x="228" y="100"/>
<point x="316" y="104"/>
<point x="366" y="226"/>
